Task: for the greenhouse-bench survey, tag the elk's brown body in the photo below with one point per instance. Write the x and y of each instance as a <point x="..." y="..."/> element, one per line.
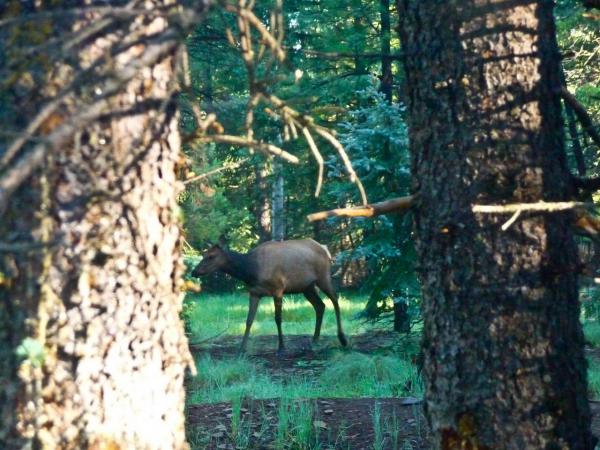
<point x="274" y="269"/>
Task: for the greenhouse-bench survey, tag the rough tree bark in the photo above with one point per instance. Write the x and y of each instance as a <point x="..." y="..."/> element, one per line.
<point x="504" y="365"/>
<point x="101" y="298"/>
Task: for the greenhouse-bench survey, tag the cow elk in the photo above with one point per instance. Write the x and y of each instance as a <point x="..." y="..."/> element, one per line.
<point x="274" y="269"/>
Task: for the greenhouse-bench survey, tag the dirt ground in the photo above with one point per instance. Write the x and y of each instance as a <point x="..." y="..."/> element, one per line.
<point x="339" y="423"/>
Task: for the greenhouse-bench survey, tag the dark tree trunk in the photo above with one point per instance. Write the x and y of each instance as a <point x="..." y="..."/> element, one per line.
<point x="359" y="45"/>
<point x="503" y="347"/>
<point x="100" y="302"/>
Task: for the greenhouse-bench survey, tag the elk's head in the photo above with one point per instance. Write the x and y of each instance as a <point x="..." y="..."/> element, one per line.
<point x="213" y="259"/>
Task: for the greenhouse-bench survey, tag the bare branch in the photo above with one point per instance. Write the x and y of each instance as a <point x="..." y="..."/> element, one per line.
<point x="524" y="207"/>
<point x="394" y="205"/>
<point x="269" y="149"/>
<point x="271" y="42"/>
<point x="347" y="164"/>
<point x="204" y="175"/>
<point x="290" y="115"/>
<point x="317" y="156"/>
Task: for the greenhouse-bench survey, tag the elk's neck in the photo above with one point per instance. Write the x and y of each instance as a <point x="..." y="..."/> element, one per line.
<point x="242" y="267"/>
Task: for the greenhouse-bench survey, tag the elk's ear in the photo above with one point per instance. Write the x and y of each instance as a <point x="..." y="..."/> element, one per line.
<point x="222" y="241"/>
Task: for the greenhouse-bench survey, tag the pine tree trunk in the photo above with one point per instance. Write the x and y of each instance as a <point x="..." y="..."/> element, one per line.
<point x="102" y="298"/>
<point x="387" y="79"/>
<point x="278" y="204"/>
<point x="262" y="206"/>
<point x="504" y="363"/>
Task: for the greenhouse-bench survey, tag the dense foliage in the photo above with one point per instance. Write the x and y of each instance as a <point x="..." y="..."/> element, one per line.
<point x="336" y="52"/>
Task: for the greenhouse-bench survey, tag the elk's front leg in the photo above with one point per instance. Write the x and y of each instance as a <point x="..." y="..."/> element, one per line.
<point x="253" y="306"/>
<point x="277" y="301"/>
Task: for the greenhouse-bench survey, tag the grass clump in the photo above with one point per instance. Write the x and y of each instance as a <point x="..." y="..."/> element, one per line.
<point x="224" y="380"/>
<point x="296" y="427"/>
<point x="356" y="374"/>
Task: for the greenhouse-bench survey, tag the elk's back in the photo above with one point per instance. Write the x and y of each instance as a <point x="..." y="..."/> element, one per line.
<point x="291" y="266"/>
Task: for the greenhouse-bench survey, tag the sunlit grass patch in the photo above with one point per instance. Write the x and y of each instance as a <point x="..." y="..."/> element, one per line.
<point x="371" y="376"/>
<point x="346" y="375"/>
<point x="231" y="379"/>
<point x="210" y="315"/>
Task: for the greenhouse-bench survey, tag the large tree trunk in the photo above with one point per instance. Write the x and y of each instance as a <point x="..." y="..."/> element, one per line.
<point x="101" y="300"/>
<point x="504" y="363"/>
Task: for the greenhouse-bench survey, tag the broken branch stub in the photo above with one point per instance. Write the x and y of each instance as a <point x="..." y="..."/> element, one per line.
<point x="394" y="205"/>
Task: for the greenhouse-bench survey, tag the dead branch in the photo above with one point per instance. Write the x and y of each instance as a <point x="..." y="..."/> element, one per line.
<point x="317" y="155"/>
<point x="245" y="13"/>
<point x="394" y="205"/>
<point x="268" y="149"/>
<point x="526" y="207"/>
<point x="291" y="116"/>
<point x="582" y="115"/>
<point x="202" y="176"/>
<point x="347" y="163"/>
<point x="292" y="119"/>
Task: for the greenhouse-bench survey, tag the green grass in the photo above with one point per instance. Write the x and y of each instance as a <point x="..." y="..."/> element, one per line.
<point x="344" y="374"/>
<point x="347" y="375"/>
<point x="212" y="315"/>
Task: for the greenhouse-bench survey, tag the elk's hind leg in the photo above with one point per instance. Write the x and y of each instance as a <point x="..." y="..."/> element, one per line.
<point x="277" y="301"/>
<point x="252" y="307"/>
<point x="327" y="288"/>
<point x="312" y="296"/>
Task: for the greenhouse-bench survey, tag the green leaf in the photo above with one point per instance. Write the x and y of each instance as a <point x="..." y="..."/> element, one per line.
<point x="32" y="350"/>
